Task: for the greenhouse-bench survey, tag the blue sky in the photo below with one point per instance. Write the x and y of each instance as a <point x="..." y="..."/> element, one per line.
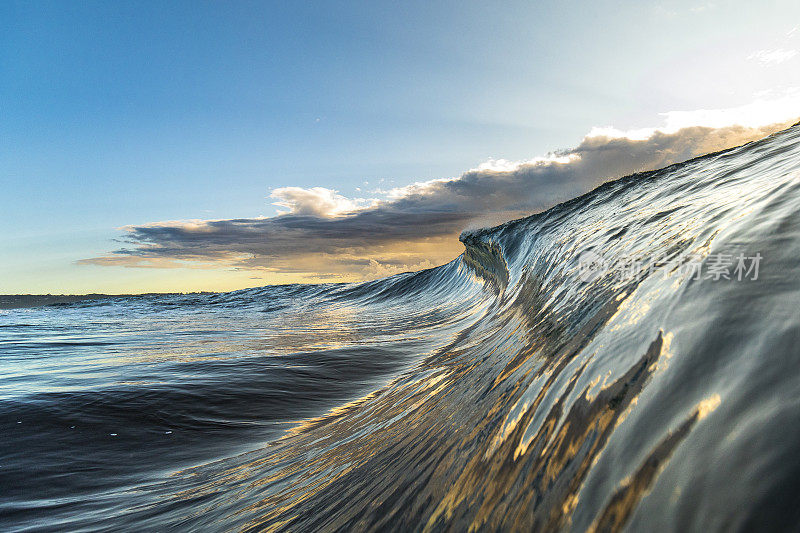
<point x="118" y="114"/>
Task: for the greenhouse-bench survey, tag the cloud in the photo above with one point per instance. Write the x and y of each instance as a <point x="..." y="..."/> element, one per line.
<point x="326" y="236"/>
<point x="317" y="201"/>
<point x="768" y="108"/>
<point x="773" y="57"/>
<point x="699" y="8"/>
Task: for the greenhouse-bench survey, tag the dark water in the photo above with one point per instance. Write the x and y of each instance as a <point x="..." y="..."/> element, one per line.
<point x="505" y="390"/>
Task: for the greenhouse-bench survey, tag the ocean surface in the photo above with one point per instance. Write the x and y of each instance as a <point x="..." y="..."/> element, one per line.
<point x="629" y="359"/>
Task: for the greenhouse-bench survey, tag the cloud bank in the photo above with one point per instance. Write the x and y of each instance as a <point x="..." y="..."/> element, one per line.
<point x="321" y="235"/>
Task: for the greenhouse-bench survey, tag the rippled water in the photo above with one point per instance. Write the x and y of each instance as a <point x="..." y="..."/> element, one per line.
<point x="500" y="391"/>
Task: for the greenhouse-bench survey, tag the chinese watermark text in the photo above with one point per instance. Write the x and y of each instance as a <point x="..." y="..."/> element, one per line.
<point x="714" y="267"/>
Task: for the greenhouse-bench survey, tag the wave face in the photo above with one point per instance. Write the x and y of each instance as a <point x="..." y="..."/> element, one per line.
<point x="513" y="388"/>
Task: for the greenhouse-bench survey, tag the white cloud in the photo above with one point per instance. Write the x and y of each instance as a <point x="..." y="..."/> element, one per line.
<point x="420" y="188"/>
<point x="761" y="112"/>
<point x="768" y="108"/>
<point x="699" y="8"/>
<point x="773" y="57"/>
<point x="504" y="165"/>
<point x="611" y="132"/>
<point x="317" y="201"/>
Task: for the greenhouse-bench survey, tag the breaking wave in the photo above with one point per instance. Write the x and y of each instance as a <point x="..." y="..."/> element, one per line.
<point x="509" y="389"/>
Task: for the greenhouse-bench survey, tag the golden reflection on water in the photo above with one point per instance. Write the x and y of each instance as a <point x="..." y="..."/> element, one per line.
<point x="362" y="458"/>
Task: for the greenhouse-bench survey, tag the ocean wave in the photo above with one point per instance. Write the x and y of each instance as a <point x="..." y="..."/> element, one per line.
<point x="509" y="389"/>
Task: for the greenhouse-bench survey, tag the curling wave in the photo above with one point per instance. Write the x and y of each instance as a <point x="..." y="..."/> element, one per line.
<point x="517" y="387"/>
